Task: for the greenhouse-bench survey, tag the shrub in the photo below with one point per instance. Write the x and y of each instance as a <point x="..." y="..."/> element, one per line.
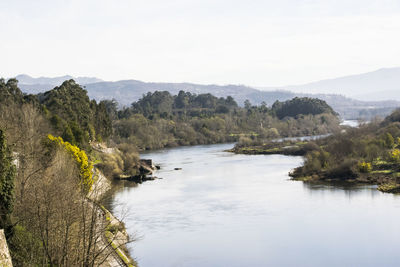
<point x="364" y="167"/>
<point x="245" y="141"/>
<point x="344" y="171"/>
<point x="85" y="166"/>
<point x="395" y="155"/>
<point x="389" y="140"/>
<point x="311" y="146"/>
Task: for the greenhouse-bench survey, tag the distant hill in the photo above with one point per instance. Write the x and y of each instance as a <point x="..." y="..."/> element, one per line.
<point x="382" y="84"/>
<point x="382" y="95"/>
<point x="42" y="84"/>
<point x="56" y="81"/>
<point x="127" y="91"/>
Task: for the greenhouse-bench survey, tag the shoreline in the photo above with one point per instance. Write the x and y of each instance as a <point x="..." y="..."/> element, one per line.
<point x="385" y="183"/>
<point x="114" y="234"/>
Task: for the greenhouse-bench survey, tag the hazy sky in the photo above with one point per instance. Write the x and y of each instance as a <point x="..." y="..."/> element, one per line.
<point x="254" y="42"/>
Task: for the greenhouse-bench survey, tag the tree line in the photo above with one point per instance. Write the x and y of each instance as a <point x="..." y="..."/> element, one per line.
<point x="160" y="119"/>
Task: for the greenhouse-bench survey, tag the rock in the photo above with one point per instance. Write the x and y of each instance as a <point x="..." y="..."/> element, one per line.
<point x="5" y="258"/>
<point x="146" y="170"/>
<point x="148" y="163"/>
<point x="177" y="169"/>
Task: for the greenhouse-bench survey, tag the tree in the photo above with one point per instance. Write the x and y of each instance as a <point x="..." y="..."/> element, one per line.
<point x="303" y="105"/>
<point x="111" y="107"/>
<point x="389" y="140"/>
<point x="7" y="175"/>
<point x="247" y="104"/>
<point x="74" y="116"/>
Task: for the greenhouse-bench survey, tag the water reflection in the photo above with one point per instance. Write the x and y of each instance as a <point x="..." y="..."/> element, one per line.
<point x="223" y="209"/>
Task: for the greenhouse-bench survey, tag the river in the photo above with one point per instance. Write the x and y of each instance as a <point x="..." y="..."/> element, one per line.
<point x="224" y="209"/>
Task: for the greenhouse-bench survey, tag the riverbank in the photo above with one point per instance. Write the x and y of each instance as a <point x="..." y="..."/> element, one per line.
<point x="289" y="148"/>
<point x="386" y="183"/>
<point x="379" y="172"/>
<point x="114" y="235"/>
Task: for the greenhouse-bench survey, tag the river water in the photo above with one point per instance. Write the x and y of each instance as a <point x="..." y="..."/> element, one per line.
<point x="224" y="209"/>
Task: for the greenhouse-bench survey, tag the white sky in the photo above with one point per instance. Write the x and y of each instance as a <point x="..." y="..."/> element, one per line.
<point x="253" y="42"/>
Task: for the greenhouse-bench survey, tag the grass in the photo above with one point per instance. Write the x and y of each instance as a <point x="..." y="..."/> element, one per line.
<point x="396" y="174"/>
<point x="383" y="172"/>
<point x="303" y="178"/>
<point x="243" y="134"/>
<point x="380" y="162"/>
<point x="121" y="254"/>
<point x="110" y="231"/>
<point x="301" y="143"/>
<point x="261" y="150"/>
<point x="389" y="188"/>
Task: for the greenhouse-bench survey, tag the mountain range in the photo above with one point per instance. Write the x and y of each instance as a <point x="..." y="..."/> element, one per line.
<point x="37" y="85"/>
<point x="366" y="89"/>
<point x="382" y="84"/>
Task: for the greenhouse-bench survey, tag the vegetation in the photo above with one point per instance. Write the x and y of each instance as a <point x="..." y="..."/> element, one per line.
<point x="285" y="147"/>
<point x="77" y="119"/>
<point x="161" y="120"/>
<point x="84" y="165"/>
<point x="44" y="204"/>
<point x="297" y="106"/>
<point x="7" y="174"/>
<point x="368" y="154"/>
<point x="121" y="161"/>
<point x="55" y="139"/>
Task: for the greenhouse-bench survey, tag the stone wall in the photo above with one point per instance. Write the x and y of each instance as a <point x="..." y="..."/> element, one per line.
<point x="5" y="258"/>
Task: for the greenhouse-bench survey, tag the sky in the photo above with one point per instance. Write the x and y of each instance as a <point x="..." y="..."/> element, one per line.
<point x="253" y="42"/>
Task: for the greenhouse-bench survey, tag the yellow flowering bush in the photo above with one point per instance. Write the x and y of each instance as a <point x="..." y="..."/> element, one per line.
<point x="395" y="155"/>
<point x="365" y="167"/>
<point x="85" y="166"/>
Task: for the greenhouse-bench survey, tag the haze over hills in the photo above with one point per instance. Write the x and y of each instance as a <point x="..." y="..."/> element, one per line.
<point x="382" y="84"/>
<point x="128" y="91"/>
<point x="26" y="79"/>
<point x="42" y="84"/>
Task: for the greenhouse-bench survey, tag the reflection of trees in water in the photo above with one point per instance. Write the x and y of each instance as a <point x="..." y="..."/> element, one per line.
<point x="117" y="186"/>
<point x="338" y="187"/>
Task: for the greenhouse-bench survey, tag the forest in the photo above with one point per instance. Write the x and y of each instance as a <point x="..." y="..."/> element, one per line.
<point x="51" y="164"/>
<point x="160" y="120"/>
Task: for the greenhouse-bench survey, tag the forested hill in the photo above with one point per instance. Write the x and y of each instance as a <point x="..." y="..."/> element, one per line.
<point x="127" y="91"/>
<point x="296" y="106"/>
<point x="160" y="119"/>
<point x="74" y="116"/>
